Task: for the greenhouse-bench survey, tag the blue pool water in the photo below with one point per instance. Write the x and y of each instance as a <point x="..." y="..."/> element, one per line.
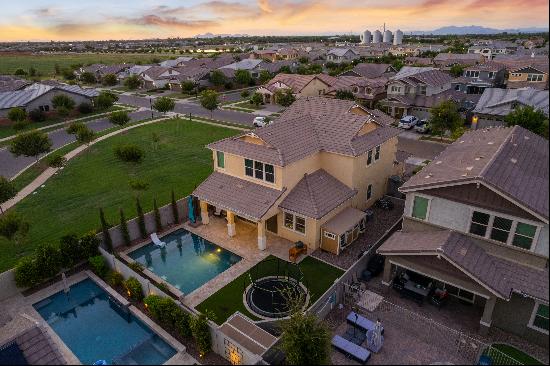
<point x="96" y="328"/>
<point x="187" y="262"/>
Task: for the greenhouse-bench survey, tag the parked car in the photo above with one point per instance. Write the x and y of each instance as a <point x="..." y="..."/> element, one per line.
<point x="261" y="121"/>
<point x="407" y="122"/>
<point x="422" y="126"/>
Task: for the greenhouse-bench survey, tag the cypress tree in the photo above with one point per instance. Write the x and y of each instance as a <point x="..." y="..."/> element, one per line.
<point x="105" y="230"/>
<point x="124" y="228"/>
<point x="141" y="219"/>
<point x="175" y="212"/>
<point x="158" y="223"/>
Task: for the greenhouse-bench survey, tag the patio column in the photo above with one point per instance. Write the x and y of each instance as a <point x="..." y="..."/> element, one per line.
<point x="262" y="239"/>
<point x="487" y="317"/>
<point x="386" y="277"/>
<point x="230" y="224"/>
<point x="204" y="213"/>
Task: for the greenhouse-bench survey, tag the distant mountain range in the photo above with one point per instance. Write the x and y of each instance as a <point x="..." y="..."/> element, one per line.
<point x="476" y="29"/>
<point x="211" y="35"/>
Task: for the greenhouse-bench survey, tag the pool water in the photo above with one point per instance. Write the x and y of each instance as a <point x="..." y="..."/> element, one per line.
<point x="94" y="327"/>
<point x="187" y="261"/>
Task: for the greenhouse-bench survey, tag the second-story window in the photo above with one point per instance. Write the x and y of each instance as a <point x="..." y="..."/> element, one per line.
<point x="220" y="157"/>
<point x="259" y="170"/>
<point x="369" y="157"/>
<point x="420" y="208"/>
<point x="377" y="153"/>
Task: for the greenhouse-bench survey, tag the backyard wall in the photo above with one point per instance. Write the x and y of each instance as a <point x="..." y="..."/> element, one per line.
<point x="7" y="285"/>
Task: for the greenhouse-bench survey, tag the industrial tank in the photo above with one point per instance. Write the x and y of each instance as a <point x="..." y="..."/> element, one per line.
<point x="377" y="37"/>
<point x="398" y="37"/>
<point x="366" y="37"/>
<point x="387" y="37"/>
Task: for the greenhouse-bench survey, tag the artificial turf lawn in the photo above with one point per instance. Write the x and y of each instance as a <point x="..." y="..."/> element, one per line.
<point x="318" y="277"/>
<point x="70" y="200"/>
<point x="513" y="352"/>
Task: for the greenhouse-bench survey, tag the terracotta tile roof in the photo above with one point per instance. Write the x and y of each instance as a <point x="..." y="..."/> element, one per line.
<point x="344" y="221"/>
<point x="297" y="82"/>
<point x="317" y="194"/>
<point x="513" y="160"/>
<point x="496" y="101"/>
<point x="488" y="66"/>
<point x="310" y="125"/>
<point x="432" y="100"/>
<point x="500" y="276"/>
<point x="527" y="84"/>
<point x="10" y="83"/>
<point x="369" y="70"/>
<point x="243" y="197"/>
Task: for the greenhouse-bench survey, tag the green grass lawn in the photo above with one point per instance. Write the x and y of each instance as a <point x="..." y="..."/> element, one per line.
<point x="70" y="200"/>
<point x="512" y="352"/>
<point x="247" y="105"/>
<point x="45" y="64"/>
<point x="318" y="276"/>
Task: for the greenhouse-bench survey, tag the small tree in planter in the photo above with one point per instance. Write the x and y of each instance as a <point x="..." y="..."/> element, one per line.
<point x="99" y="265"/>
<point x="141" y="219"/>
<point x="89" y="245"/>
<point x="175" y="212"/>
<point x="201" y="333"/>
<point x="105" y="230"/>
<point x="158" y="223"/>
<point x="124" y="229"/>
<point x="133" y="289"/>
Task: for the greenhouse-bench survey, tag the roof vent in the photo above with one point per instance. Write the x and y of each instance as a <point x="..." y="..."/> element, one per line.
<point x="490" y="143"/>
<point x="463" y="252"/>
<point x="438" y="162"/>
<point x="514" y="160"/>
<point x="469" y="168"/>
<point x="478" y="158"/>
<point x="240" y="186"/>
<point x="464" y="175"/>
<point x="429" y="176"/>
<point x="526" y="137"/>
<point x="461" y="142"/>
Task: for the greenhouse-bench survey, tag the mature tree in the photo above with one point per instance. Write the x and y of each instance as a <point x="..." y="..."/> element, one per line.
<point x="209" y="100"/>
<point x="8" y="191"/>
<point x="124" y="229"/>
<point x="32" y="143"/>
<point x="285" y="69"/>
<point x="456" y="70"/>
<point x="529" y="118"/>
<point x="85" y="108"/>
<point x="85" y="135"/>
<point x="345" y="94"/>
<point x="156" y="214"/>
<point x="63" y="101"/>
<point x="164" y="104"/>
<point x="445" y="117"/>
<point x="132" y="82"/>
<point x="256" y="99"/>
<point x="243" y="77"/>
<point x="105" y="231"/>
<point x="74" y="128"/>
<point x="264" y="77"/>
<point x="305" y="340"/>
<point x="13" y="227"/>
<point x="141" y="219"/>
<point x="36" y="115"/>
<point x="397" y="64"/>
<point x="119" y="118"/>
<point x="187" y="86"/>
<point x="88" y="77"/>
<point x="110" y="80"/>
<point x="105" y="100"/>
<point x="175" y="213"/>
<point x="217" y="78"/>
<point x="17" y="114"/>
<point x="284" y="97"/>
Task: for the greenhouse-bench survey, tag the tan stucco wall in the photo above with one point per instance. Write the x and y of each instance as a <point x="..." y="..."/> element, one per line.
<point x="313" y="88"/>
<point x="523" y="77"/>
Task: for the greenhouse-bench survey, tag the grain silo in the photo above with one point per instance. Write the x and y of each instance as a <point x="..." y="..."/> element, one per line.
<point x="377" y="37"/>
<point x="366" y="37"/>
<point x="387" y="36"/>
<point x="398" y="37"/>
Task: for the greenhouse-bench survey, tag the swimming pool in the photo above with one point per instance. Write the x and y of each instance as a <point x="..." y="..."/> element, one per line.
<point x="95" y="327"/>
<point x="187" y="262"/>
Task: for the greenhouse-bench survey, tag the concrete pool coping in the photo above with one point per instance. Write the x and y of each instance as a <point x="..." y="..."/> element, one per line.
<point x="181" y="356"/>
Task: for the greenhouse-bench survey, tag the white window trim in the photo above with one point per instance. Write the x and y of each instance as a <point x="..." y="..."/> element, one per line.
<point x="294" y="215"/>
<point x="427" y="219"/>
<point x="371" y="192"/>
<point x="218" y="167"/>
<point x="532" y="319"/>
<point x="253" y="177"/>
<point x="515" y="221"/>
<point x="330" y="235"/>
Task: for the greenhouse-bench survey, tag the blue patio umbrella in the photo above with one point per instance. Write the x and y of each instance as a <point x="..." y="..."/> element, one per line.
<point x="191" y="209"/>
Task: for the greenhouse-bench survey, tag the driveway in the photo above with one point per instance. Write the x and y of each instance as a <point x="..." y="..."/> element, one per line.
<point x="11" y="165"/>
<point x="425" y="150"/>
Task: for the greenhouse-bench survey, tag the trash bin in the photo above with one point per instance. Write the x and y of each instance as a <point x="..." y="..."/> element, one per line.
<point x="370" y="214"/>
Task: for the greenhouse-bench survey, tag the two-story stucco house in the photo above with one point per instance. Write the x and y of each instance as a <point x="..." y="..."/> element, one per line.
<point x="339" y="55"/>
<point x="366" y="91"/>
<point x="300" y="85"/>
<point x="321" y="159"/>
<point x="476" y="225"/>
<point x="476" y="79"/>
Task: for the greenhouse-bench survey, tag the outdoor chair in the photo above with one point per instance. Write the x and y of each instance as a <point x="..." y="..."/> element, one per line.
<point x="350" y="349"/>
<point x="157" y="241"/>
<point x="296" y="250"/>
<point x="439" y="297"/>
<point x="361" y="322"/>
<point x="355" y="335"/>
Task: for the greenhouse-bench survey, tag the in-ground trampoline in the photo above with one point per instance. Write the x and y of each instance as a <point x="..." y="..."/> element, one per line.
<point x="274" y="288"/>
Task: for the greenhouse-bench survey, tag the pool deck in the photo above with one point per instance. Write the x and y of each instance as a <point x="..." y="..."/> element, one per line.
<point x="22" y="317"/>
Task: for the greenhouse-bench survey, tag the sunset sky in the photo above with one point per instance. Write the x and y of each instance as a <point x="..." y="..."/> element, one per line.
<point x="134" y="19"/>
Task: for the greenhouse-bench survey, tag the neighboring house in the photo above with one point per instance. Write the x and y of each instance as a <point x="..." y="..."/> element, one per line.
<point x="476" y="225"/>
<point x="339" y="55"/>
<point x="11" y="83"/>
<point x="275" y="66"/>
<point x="366" y="91"/>
<point x="476" y="79"/>
<point x="177" y="62"/>
<point x="447" y="60"/>
<point x="264" y="55"/>
<point x="495" y="104"/>
<point x="288" y="54"/>
<point x="39" y="96"/>
<point x="300" y="85"/>
<point x="253" y="66"/>
<point x="136" y="70"/>
<point x="157" y="76"/>
<point x="418" y="61"/>
<point x="491" y="49"/>
<point x="197" y="75"/>
<point x="210" y="62"/>
<point x="371" y="71"/>
<point x="533" y="75"/>
<point x="100" y="70"/>
<point x="314" y="168"/>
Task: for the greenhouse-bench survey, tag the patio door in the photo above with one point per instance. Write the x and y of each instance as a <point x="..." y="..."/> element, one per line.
<point x="271" y="224"/>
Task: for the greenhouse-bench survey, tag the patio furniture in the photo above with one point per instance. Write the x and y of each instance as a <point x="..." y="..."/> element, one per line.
<point x="374" y="267"/>
<point x="375" y="340"/>
<point x="439" y="297"/>
<point x="157" y="241"/>
<point x="355" y="335"/>
<point x="415" y="291"/>
<point x="350" y="349"/>
<point x="361" y="322"/>
<point x="296" y="250"/>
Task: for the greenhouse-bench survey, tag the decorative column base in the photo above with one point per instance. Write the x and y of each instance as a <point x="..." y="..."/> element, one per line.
<point x="204" y="217"/>
<point x="262" y="242"/>
<point x="231" y="230"/>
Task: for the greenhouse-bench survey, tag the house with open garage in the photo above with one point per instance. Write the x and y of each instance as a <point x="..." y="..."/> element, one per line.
<point x="311" y="171"/>
<point x="475" y="228"/>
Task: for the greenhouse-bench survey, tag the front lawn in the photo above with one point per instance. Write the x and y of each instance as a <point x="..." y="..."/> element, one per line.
<point x="70" y="200"/>
<point x="247" y="105"/>
<point x="318" y="277"/>
<point x="501" y="358"/>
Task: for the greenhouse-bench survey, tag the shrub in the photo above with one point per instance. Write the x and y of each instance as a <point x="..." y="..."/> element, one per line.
<point x="69" y="245"/>
<point x="105" y="100"/>
<point x="182" y="322"/>
<point x="27" y="273"/>
<point x="85" y="108"/>
<point x="85" y="135"/>
<point x="162" y="286"/>
<point x="21" y="125"/>
<point x="245" y="94"/>
<point x="124" y="229"/>
<point x="158" y="222"/>
<point x="136" y="267"/>
<point x="201" y="333"/>
<point x="129" y="153"/>
<point x="115" y="278"/>
<point x="36" y="115"/>
<point x="119" y="118"/>
<point x="20" y="72"/>
<point x="141" y="219"/>
<point x="74" y="128"/>
<point x="133" y="288"/>
<point x="17" y="114"/>
<point x="87" y="77"/>
<point x="56" y="160"/>
<point x="138" y="184"/>
<point x="63" y="101"/>
<point x="89" y="245"/>
<point x="48" y="260"/>
<point x="132" y="82"/>
<point x="110" y="80"/>
<point x="99" y="265"/>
